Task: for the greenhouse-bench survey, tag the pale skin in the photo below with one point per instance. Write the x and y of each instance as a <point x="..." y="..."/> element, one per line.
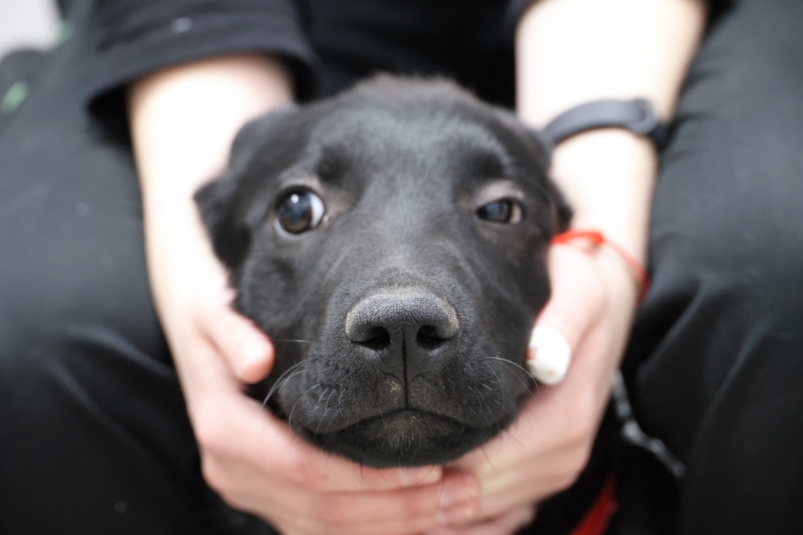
<point x="183" y="120"/>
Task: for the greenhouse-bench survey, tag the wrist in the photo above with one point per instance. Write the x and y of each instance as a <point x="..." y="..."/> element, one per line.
<point x="608" y="177"/>
<point x="183" y="120"/>
<point x="597" y="244"/>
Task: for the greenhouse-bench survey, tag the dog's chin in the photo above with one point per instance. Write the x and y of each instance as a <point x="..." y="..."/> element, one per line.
<point x="404" y="438"/>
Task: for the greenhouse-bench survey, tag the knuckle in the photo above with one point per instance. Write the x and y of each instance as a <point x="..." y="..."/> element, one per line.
<point x="582" y="456"/>
<point x="566" y="481"/>
<point x="411" y="508"/>
<point x="332" y="513"/>
<point x="583" y="424"/>
<point x="210" y="432"/>
<point x="214" y="476"/>
<point x="300" y="474"/>
<point x="576" y="463"/>
<point x="307" y="525"/>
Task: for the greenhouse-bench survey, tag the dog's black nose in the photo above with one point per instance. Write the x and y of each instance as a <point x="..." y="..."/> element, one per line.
<point x="406" y="330"/>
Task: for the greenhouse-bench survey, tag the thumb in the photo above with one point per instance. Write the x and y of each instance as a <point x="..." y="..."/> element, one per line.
<point x="248" y="350"/>
<point x="576" y="303"/>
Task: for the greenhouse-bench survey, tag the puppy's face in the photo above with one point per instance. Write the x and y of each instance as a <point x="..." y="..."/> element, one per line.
<point x="392" y="242"/>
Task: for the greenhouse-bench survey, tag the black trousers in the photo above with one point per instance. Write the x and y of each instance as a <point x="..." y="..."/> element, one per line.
<point x="94" y="438"/>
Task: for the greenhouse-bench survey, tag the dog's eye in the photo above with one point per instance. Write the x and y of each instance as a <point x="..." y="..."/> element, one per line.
<point x="299" y="211"/>
<point x="502" y="211"/>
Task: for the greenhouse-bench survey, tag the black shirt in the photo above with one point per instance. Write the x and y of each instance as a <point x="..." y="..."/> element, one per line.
<point x="329" y="43"/>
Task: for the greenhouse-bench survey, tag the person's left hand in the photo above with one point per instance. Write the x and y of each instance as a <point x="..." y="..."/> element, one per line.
<point x="548" y="446"/>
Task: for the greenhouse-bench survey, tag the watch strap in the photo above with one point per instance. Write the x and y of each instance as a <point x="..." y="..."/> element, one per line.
<point x="635" y="115"/>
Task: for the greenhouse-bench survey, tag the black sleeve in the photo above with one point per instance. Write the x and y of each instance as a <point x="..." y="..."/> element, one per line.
<point x="516" y="9"/>
<point x="134" y="37"/>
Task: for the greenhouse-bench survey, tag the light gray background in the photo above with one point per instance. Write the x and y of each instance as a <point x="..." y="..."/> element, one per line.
<point x="27" y="23"/>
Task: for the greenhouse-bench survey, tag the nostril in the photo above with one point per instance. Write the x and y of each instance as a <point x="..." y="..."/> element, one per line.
<point x="401" y="320"/>
<point x="428" y="338"/>
<point x="376" y="338"/>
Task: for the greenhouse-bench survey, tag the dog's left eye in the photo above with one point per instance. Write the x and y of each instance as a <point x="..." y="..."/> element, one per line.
<point x="502" y="211"/>
<point x="299" y="211"/>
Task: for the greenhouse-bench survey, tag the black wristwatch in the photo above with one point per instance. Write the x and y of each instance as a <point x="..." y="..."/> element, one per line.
<point x="635" y="115"/>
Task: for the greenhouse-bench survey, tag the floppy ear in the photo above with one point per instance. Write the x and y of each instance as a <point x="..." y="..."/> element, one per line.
<point x="540" y="145"/>
<point x="230" y="239"/>
<point x="222" y="209"/>
<point x="561" y="211"/>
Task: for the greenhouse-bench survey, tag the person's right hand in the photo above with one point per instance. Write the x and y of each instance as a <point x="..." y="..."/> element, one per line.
<point x="254" y="461"/>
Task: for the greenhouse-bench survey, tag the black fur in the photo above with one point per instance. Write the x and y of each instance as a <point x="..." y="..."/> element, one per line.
<point x="401" y="166"/>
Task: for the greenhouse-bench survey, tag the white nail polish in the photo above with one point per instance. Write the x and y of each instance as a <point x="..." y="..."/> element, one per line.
<point x="550" y="355"/>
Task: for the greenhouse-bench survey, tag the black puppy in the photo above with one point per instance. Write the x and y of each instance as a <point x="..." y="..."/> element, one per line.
<point x="392" y="243"/>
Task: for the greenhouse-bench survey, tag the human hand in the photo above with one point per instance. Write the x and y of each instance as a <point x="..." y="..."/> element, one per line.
<point x="592" y="305"/>
<point x="254" y="461"/>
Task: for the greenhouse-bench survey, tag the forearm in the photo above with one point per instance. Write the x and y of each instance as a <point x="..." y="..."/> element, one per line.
<point x="573" y="51"/>
<point x="183" y="121"/>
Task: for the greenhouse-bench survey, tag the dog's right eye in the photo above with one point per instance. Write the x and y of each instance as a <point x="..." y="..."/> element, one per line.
<point x="299" y="211"/>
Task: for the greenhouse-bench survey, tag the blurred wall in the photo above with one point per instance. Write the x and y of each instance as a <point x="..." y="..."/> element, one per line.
<point x="27" y="23"/>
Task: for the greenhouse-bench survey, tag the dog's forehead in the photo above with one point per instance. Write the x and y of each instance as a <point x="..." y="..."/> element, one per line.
<point x="436" y="132"/>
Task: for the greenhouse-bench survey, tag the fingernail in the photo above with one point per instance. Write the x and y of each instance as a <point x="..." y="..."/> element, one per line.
<point x="419" y="476"/>
<point x="549" y="355"/>
<point x="457" y="515"/>
<point x="455" y="492"/>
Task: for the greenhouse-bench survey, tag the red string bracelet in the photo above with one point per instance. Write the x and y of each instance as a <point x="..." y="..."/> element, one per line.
<point x="597" y="239"/>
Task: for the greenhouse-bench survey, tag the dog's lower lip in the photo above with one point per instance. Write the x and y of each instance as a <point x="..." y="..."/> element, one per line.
<point x="407" y="417"/>
<point x="412" y="417"/>
<point x="404" y="437"/>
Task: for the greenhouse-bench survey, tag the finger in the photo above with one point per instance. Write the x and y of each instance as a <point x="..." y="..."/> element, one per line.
<point x="394" y="527"/>
<point x="576" y="303"/>
<point x="541" y="434"/>
<point x="557" y="463"/>
<point x="505" y="524"/>
<point x="550" y="355"/>
<point x="266" y="443"/>
<point x="246" y="349"/>
<point x="397" y="505"/>
<point x="294" y="513"/>
<point x="302" y="523"/>
<point x="403" y="511"/>
<point x="502" y="524"/>
<point x="406" y="511"/>
<point x="323" y="472"/>
<point x="410" y="510"/>
<point x="523" y="494"/>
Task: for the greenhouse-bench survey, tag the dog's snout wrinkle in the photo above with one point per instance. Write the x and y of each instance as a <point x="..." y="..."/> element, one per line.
<point x="406" y="330"/>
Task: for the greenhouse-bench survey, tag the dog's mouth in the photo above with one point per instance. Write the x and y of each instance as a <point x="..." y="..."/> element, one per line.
<point x="403" y="437"/>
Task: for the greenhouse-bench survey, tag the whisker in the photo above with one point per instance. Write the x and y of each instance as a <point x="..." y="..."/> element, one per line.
<point x="516" y="367"/>
<point x="316" y="406"/>
<point x="281" y="380"/>
<point x="290" y="417"/>
<point x="481" y="403"/>
<point x="485" y="453"/>
<point x="499" y="382"/>
<point x="339" y="409"/>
